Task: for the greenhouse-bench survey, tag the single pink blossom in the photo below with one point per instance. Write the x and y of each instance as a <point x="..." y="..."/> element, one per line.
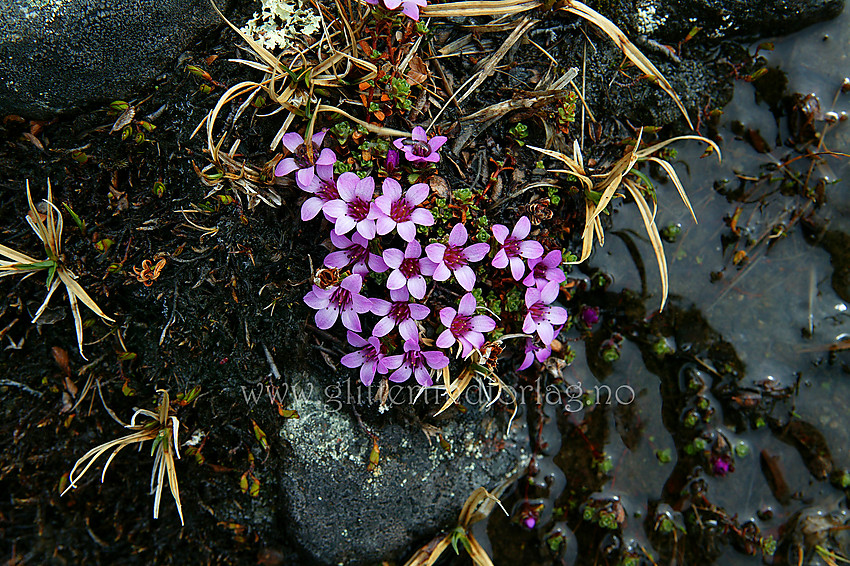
<point x="354" y="207"/>
<point x="306" y="159"/>
<point x="354" y="251"/>
<point x="344" y="299"/>
<point x="398" y="312"/>
<point x="514" y="247"/>
<point x="408" y="269"/>
<point x="369" y="358"/>
<point x="401" y="212"/>
<point x="414" y="361"/>
<point x="418" y="148"/>
<point x="540" y="316"/>
<point x="462" y="326"/>
<point x="545" y="269"/>
<point x="455" y="258"/>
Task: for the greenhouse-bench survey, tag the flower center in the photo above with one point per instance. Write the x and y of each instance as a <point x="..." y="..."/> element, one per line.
<point x="400" y="210"/>
<point x="461" y="325"/>
<point x="302" y="159"/>
<point x="341" y="298"/>
<point x="400" y="312"/>
<point x="358" y="209"/>
<point x="357" y="254"/>
<point x="453" y="257"/>
<point x="418" y="148"/>
<point x="511" y="247"/>
<point x="538" y="311"/>
<point x="327" y="191"/>
<point x="413" y="358"/>
<point x="409" y="267"/>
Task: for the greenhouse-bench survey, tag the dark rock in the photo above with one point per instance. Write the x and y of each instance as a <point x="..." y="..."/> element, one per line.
<point x="341" y="513"/>
<point x="671" y="20"/>
<point x="57" y="55"/>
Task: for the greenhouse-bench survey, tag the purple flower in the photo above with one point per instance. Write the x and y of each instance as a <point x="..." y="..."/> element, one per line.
<point x="589" y="315"/>
<point x="721" y="464"/>
<point x="353" y="208"/>
<point x="324" y="191"/>
<point x="408" y="269"/>
<point x="541" y="317"/>
<point x="369" y="358"/>
<point x="462" y="326"/>
<point x="414" y="361"/>
<point x="534" y="350"/>
<point x="420" y="149"/>
<point x="514" y="247"/>
<point x="305" y="162"/>
<point x="345" y="298"/>
<point x="356" y="251"/>
<point x="545" y="269"/>
<point x="454" y="258"/>
<point x="392" y="160"/>
<point x="399" y="312"/>
<point x="396" y="211"/>
<point x="409" y="8"/>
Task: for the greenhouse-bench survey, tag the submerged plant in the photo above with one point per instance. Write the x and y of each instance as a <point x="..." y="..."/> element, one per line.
<point x="162" y="430"/>
<point x="48" y="228"/>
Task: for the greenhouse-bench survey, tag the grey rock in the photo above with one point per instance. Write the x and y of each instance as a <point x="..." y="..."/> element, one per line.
<point x="58" y="54"/>
<point x="340" y="513"/>
<point x="671" y="20"/>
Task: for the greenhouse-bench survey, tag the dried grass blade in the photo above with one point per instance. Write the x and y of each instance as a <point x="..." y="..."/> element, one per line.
<point x="675" y="178"/>
<point x="633" y="53"/>
<point x="646" y="152"/>
<point x="612" y="181"/>
<point x="575" y="168"/>
<point x="16" y="256"/>
<point x="380" y="130"/>
<point x="654" y="236"/>
<point x="172" y="482"/>
<point x="53" y="286"/>
<point x="484" y="8"/>
<point x="75" y="289"/>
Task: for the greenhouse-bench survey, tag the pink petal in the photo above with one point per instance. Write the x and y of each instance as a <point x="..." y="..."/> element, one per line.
<point x="500" y="232"/>
<point x="355" y="340"/>
<point x="528" y="325"/>
<point x="310" y="208"/>
<point x="435" y="253"/>
<point x="427" y="267"/>
<point x="341" y="242"/>
<point x="377" y="264"/>
<point x="532" y="295"/>
<point x="546" y="332"/>
<point x="408" y="330"/>
<point x="413" y="250"/>
<point x="418" y="312"/>
<point x="304" y="177"/>
<point x="400" y="375"/>
<point x="549" y="292"/>
<point x="352" y="284"/>
<point x="530" y="249"/>
<point x="467" y="305"/>
<point x="441" y="273"/>
<point x="436" y="360"/>
<point x="383" y="327"/>
<point x="447" y="315"/>
<point x="468" y="347"/>
<point x="417" y="193"/>
<point x="319" y="137"/>
<point x="367" y="373"/>
<point x="445" y="339"/>
<point x="557" y="315"/>
<point x="344" y="224"/>
<point x="437" y="141"/>
<point x="326" y="318"/>
<point x="285" y="167"/>
<point x="423" y="377"/>
<point x="365" y="188"/>
<point x="336" y="260"/>
<point x="482" y="323"/>
<point x="407" y="230"/>
<point x="392" y="4"/>
<point x="347" y="185"/>
<point x="418" y="133"/>
<point x="350" y="320"/>
<point x="522" y="228"/>
<point x="354" y="359"/>
<point x="360" y="303"/>
<point x="501" y="259"/>
<point x="317" y="299"/>
<point x="552" y="259"/>
<point x="476" y="252"/>
<point x="384" y="225"/>
<point x="399" y="295"/>
<point x="517" y="268"/>
<point x="366" y="228"/>
<point x="327" y="157"/>
<point x="381" y="307"/>
<point x="391" y="189"/>
<point x="476" y="339"/>
<point x="396" y="281"/>
<point x="393" y="257"/>
<point x="465" y="277"/>
<point x="417" y="287"/>
<point x="336" y="208"/>
<point x="422" y="216"/>
<point x="458" y="236"/>
<point x="291" y="141"/>
<point x="392" y="362"/>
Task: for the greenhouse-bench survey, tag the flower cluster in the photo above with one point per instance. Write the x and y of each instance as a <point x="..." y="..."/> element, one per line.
<point x="375" y="238"/>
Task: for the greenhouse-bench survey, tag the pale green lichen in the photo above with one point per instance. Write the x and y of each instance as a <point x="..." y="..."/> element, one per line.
<point x="281" y="21"/>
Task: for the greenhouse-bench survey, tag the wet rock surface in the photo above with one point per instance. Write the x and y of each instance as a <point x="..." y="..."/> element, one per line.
<point x="57" y="55"/>
<point x="672" y="20"/>
<point x="342" y="513"/>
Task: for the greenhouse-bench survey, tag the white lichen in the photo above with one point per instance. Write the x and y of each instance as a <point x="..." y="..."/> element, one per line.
<point x="648" y="19"/>
<point x="281" y="21"/>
